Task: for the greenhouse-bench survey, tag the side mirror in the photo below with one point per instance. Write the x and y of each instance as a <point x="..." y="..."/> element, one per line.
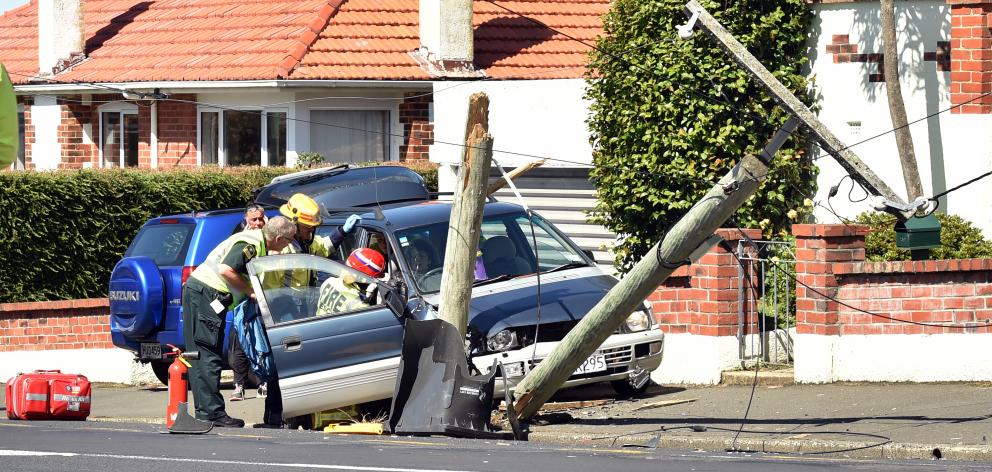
<point x="589" y="253"/>
<point x="391" y="297"/>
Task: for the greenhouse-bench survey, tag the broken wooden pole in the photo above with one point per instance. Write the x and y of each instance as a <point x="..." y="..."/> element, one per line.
<point x="860" y="172"/>
<point x="699" y="223"/>
<point x="465" y="223"/>
<point x="513" y="174"/>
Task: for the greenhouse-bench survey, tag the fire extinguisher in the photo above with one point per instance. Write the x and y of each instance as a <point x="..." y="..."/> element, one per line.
<point x="178" y="382"/>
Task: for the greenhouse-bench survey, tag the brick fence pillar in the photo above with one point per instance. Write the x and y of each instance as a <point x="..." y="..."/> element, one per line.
<point x="818" y="249"/>
<point x="698" y="308"/>
<point x="971" y="56"/>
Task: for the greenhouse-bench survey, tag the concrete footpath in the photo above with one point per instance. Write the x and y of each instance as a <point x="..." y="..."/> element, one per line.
<point x="902" y="421"/>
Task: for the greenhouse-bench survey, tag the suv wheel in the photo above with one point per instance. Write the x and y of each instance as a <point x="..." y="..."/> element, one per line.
<point x="304" y="422"/>
<point x="161" y="369"/>
<point x="625" y="390"/>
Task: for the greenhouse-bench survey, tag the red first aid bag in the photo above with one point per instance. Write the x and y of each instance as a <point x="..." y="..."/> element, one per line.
<point x="48" y="395"/>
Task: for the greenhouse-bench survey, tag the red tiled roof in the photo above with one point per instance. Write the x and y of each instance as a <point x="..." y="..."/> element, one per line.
<point x="165" y="40"/>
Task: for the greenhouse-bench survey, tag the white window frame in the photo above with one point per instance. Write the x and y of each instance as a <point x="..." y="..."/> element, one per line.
<point x="392" y="123"/>
<point x="121" y="108"/>
<point x="263" y="159"/>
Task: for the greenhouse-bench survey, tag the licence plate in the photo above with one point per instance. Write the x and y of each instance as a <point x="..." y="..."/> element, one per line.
<point x="595" y="363"/>
<point x="151" y="351"/>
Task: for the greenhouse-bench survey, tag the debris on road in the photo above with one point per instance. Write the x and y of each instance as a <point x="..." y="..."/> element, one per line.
<point x="648" y="406"/>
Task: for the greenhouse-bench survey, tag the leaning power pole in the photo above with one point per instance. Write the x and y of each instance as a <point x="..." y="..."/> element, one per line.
<point x="690" y="233"/>
<point x="465" y="223"/>
<point x="702" y="220"/>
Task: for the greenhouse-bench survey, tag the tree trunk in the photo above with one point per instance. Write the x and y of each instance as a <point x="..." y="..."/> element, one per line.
<point x="897" y="109"/>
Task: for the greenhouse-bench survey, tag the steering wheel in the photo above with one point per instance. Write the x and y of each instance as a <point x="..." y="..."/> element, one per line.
<point x="429" y="275"/>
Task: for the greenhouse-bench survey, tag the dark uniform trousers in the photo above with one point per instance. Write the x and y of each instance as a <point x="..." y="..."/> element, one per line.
<point x="203" y="330"/>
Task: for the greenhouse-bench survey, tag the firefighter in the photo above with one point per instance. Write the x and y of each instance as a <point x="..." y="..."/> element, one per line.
<point x="216" y="286"/>
<point x="305" y="212"/>
<point x="345" y="293"/>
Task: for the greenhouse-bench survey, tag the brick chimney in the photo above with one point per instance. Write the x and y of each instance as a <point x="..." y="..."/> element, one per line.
<point x="60" y="34"/>
<point x="446" y="42"/>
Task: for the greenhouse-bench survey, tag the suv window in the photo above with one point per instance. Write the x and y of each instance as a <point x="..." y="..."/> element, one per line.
<point x="330" y="290"/>
<point x="165" y="243"/>
<point x="506" y="248"/>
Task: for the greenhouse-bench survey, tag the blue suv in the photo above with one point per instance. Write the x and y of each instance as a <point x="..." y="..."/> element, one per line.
<point x="146" y="285"/>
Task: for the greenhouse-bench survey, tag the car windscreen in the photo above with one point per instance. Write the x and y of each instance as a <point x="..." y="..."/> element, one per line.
<point x="167" y="244"/>
<point x="296" y="287"/>
<point x="506" y="249"/>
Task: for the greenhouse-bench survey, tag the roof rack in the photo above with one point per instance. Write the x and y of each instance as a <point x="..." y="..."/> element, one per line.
<point x="357" y="210"/>
<point x="311" y="172"/>
<point x="433" y="195"/>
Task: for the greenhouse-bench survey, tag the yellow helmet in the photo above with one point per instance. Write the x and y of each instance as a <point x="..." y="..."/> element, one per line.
<point x="301" y="209"/>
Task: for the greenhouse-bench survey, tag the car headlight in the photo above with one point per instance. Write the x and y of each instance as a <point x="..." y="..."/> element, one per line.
<point x="638" y="321"/>
<point x="502" y="341"/>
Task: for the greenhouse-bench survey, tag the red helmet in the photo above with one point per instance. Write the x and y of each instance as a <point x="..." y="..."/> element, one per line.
<point x="367" y="261"/>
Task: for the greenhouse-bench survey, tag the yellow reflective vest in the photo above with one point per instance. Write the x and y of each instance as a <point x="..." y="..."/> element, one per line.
<point x="208" y="273"/>
<point x="336" y="296"/>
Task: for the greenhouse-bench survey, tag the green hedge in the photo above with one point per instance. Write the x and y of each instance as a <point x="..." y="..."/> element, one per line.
<point x="61" y="232"/>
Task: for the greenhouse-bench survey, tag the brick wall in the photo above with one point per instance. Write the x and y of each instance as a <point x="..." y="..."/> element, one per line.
<point x="418" y="130"/>
<point x="831" y="260"/>
<point x="703" y="298"/>
<point x="971" y="55"/>
<point x="29" y="135"/>
<point x="177" y="122"/>
<point x="68" y="324"/>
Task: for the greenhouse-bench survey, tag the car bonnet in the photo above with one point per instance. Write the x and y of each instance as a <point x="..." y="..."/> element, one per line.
<point x="565" y="296"/>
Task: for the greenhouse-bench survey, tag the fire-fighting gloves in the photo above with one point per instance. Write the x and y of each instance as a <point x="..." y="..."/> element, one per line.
<point x="349" y="224"/>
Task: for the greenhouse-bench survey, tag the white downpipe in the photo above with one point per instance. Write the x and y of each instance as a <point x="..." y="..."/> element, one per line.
<point x="154" y="134"/>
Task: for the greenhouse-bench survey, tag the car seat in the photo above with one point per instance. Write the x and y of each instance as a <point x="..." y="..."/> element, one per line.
<point x="500" y="257"/>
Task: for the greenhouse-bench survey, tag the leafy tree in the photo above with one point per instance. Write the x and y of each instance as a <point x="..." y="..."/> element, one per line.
<point x="671" y="117"/>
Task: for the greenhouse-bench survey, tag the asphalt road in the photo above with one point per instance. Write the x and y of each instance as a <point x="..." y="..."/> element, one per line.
<point x="96" y="446"/>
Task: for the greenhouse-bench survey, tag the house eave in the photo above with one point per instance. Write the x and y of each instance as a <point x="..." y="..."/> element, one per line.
<point x="214" y="86"/>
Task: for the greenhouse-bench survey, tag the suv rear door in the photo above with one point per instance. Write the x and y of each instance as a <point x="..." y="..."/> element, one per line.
<point x="327" y="354"/>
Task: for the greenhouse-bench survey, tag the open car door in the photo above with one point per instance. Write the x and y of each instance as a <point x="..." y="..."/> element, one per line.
<point x="334" y="341"/>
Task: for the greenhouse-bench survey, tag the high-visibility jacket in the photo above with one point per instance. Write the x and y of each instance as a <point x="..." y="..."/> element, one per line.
<point x="336" y="296"/>
<point x="208" y="273"/>
<point x="323" y="246"/>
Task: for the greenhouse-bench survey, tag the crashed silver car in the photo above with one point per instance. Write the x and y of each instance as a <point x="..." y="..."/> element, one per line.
<point x="329" y="357"/>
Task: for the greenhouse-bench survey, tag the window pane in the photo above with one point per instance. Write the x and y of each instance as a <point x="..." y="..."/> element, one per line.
<point x="111" y="138"/>
<point x="349" y="136"/>
<point x="19" y="163"/>
<point x="554" y="252"/>
<point x="165" y="243"/>
<point x="208" y="137"/>
<point x="131" y="140"/>
<point x="275" y="145"/>
<point x="243" y="138"/>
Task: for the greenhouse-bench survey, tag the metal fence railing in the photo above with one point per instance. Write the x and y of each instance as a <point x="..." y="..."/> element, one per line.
<point x="766" y="301"/>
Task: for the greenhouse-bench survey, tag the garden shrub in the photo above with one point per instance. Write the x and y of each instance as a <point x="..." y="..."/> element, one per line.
<point x="62" y="232"/>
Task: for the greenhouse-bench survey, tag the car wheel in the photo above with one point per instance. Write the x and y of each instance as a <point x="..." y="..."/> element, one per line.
<point x="161" y="370"/>
<point x="297" y="422"/>
<point x="625" y="390"/>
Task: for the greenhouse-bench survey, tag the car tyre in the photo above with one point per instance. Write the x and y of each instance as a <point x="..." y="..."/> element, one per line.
<point x="303" y="421"/>
<point x="161" y="370"/>
<point x="625" y="390"/>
